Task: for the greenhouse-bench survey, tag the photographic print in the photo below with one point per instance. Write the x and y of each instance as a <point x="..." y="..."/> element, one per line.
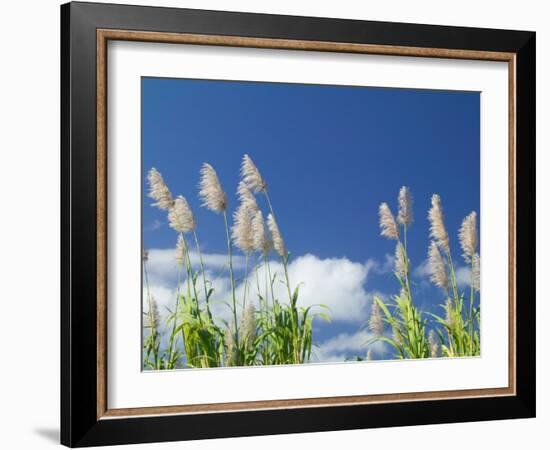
<point x="299" y="223"/>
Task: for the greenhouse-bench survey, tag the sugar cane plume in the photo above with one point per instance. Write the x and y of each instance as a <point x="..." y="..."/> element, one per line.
<point x="210" y="190"/>
<point x="260" y="235"/>
<point x="242" y="231"/>
<point x="230" y="349"/>
<point x="158" y="190"/>
<point x="405" y="215"/>
<point x="476" y="271"/>
<point x="437" y="224"/>
<point x="434" y="344"/>
<point x="248" y="324"/>
<point x="181" y="251"/>
<point x="180" y="216"/>
<point x="436" y="265"/>
<point x="468" y="236"/>
<point x="246" y="197"/>
<point x="154" y="317"/>
<point x="251" y="175"/>
<point x="400" y="261"/>
<point x="278" y="242"/>
<point x="388" y="226"/>
<point x="376" y="323"/>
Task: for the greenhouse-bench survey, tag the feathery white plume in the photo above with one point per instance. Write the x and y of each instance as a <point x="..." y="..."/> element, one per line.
<point x="158" y="190"/>
<point x="376" y="323"/>
<point x="154" y="316"/>
<point x="468" y="236"/>
<point x="180" y="216"/>
<point x="246" y="197"/>
<point x="476" y="271"/>
<point x="387" y="222"/>
<point x="251" y="175"/>
<point x="230" y="348"/>
<point x="278" y="242"/>
<point x="242" y="232"/>
<point x="438" y="273"/>
<point x="248" y="325"/>
<point x="181" y="251"/>
<point x="400" y="261"/>
<point x="437" y="224"/>
<point x="405" y="215"/>
<point x="211" y="192"/>
<point x="260" y="234"/>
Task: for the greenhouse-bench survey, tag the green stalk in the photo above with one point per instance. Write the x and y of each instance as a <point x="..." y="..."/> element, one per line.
<point x="258" y="290"/>
<point x="270" y="282"/>
<point x="268" y="202"/>
<point x="294" y="312"/>
<point x="266" y="275"/>
<point x="457" y="347"/>
<point x="285" y="265"/>
<point x="153" y="330"/>
<point x="245" y="280"/>
<point x="186" y="344"/>
<point x="190" y="270"/>
<point x="232" y="278"/>
<point x="470" y="318"/>
<point x="284" y="259"/>
<point x="171" y="344"/>
<point x="203" y="274"/>
<point x="453" y="277"/>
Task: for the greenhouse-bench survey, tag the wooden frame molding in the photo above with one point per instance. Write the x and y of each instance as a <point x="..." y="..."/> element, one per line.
<point x="103" y="36"/>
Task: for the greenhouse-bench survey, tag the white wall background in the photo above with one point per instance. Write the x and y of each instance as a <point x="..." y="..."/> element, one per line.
<point x="29" y="224"/>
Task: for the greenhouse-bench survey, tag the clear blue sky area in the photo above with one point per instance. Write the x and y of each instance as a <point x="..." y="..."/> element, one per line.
<point x="330" y="154"/>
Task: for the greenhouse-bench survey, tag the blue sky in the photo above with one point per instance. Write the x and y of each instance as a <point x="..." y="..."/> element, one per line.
<point x="330" y="155"/>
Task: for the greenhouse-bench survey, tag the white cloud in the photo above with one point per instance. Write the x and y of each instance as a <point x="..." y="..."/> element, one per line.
<point x="381" y="267"/>
<point x="162" y="266"/>
<point x="163" y="295"/>
<point x="347" y="345"/>
<point x="337" y="283"/>
<point x="387" y="266"/>
<point x="422" y="270"/>
<point x="463" y="277"/>
<point x="155" y="225"/>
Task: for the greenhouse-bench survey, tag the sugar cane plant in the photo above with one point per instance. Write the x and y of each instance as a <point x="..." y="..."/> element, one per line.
<point x="275" y="332"/>
<point x="456" y="333"/>
<point x="265" y="323"/>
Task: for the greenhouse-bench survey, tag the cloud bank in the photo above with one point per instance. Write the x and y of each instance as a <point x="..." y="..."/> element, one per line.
<point x="338" y="283"/>
<point x="347" y="345"/>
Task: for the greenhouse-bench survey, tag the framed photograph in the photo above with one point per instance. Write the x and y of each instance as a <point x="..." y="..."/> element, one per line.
<point x="277" y="224"/>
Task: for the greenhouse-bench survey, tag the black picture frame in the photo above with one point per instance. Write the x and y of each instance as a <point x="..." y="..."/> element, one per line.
<point x="80" y="425"/>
